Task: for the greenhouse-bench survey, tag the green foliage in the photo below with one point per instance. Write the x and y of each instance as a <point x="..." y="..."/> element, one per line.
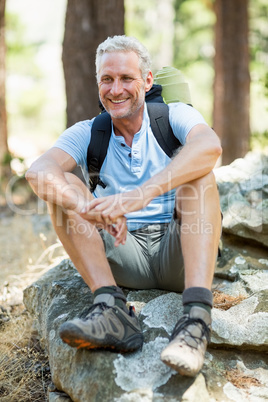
<point x="31" y="108"/>
<point x="258" y="40"/>
<point x="193" y="39"/>
<point x="194" y="50"/>
<point x="259" y="141"/>
<point x="259" y="43"/>
<point x="143" y="20"/>
<point x="31" y="101"/>
<point x="27" y="96"/>
<point x="191" y="43"/>
<point x="7" y="159"/>
<point x="266" y="84"/>
<point x="20" y="53"/>
<point x="140" y="10"/>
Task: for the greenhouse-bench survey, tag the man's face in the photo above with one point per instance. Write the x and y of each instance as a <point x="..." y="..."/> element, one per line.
<point x="121" y="86"/>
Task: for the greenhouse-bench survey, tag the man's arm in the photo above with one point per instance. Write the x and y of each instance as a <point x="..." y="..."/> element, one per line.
<point x="196" y="159"/>
<point x="47" y="178"/>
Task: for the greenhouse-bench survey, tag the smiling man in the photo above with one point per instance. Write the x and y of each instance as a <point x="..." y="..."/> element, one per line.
<point x="121" y="86"/>
<point x="154" y="224"/>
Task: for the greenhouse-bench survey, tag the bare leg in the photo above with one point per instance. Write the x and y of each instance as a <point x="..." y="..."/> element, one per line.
<point x="197" y="204"/>
<point x="82" y="241"/>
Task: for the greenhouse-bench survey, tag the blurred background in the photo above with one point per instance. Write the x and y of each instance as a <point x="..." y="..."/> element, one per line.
<point x="47" y="83"/>
<point x="48" y="65"/>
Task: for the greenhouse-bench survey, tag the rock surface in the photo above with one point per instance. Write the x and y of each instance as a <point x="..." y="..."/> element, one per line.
<point x="243" y="188"/>
<point x="61" y="294"/>
<point x="236" y="364"/>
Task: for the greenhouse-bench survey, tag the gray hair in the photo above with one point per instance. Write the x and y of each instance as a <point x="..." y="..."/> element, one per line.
<point x="122" y="43"/>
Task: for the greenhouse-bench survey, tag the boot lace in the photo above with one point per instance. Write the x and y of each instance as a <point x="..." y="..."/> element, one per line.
<point x="94" y="311"/>
<point x="184" y="323"/>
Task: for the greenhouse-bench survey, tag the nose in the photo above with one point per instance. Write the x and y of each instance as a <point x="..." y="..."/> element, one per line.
<point x="117" y="87"/>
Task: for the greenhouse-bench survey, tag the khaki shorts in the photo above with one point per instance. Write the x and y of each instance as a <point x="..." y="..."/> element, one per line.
<point x="150" y="259"/>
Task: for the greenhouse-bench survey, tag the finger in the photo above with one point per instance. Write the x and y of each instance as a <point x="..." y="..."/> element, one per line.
<point x="119" y="241"/>
<point x="107" y="215"/>
<point x="122" y="231"/>
<point x="92" y="204"/>
<point x="106" y="219"/>
<point x="117" y="212"/>
<point x="109" y="203"/>
<point x="110" y="229"/>
<point x="105" y="205"/>
<point x="93" y="216"/>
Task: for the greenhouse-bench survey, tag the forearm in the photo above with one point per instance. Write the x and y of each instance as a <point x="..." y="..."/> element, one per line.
<point x="196" y="159"/>
<point x="48" y="181"/>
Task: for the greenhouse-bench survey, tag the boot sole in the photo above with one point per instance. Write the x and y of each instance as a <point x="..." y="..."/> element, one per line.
<point x="74" y="337"/>
<point x="181" y="369"/>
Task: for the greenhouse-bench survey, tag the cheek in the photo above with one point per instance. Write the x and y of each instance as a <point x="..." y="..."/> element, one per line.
<point x="103" y="86"/>
<point x="102" y="91"/>
<point x="140" y="91"/>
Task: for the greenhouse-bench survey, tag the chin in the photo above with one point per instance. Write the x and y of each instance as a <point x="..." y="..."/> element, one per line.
<point x="119" y="114"/>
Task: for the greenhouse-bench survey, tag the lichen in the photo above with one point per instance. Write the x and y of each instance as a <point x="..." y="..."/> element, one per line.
<point x="143" y="369"/>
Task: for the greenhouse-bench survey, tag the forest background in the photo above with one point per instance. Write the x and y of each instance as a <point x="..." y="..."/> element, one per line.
<point x="177" y="33"/>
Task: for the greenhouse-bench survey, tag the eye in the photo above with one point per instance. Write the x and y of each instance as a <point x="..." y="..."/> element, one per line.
<point x="107" y="80"/>
<point x="127" y="79"/>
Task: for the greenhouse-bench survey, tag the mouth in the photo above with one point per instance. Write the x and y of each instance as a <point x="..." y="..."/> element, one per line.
<point x="118" y="101"/>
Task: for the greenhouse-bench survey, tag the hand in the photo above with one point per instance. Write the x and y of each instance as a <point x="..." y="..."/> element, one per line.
<point x="118" y="229"/>
<point x="114" y="206"/>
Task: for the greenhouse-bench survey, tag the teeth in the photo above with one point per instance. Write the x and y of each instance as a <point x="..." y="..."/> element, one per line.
<point x="118" y="101"/>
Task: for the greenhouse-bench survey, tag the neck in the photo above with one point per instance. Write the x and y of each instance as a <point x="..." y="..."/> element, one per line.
<point x="129" y="126"/>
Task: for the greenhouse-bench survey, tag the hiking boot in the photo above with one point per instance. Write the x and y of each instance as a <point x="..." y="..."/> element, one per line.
<point x="186" y="350"/>
<point x="105" y="326"/>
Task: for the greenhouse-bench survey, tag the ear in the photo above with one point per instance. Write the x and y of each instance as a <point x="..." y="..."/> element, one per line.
<point x="149" y="81"/>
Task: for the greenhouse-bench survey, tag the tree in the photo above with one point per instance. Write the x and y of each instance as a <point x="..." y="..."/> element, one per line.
<point x="88" y="22"/>
<point x="151" y="22"/>
<point x="232" y="79"/>
<point x="4" y="153"/>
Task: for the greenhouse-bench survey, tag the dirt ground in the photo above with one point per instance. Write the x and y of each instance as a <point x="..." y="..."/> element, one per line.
<point x="28" y="248"/>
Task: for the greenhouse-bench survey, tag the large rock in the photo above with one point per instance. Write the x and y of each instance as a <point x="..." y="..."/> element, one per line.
<point x="141" y="376"/>
<point x="243" y="188"/>
<point x="236" y="363"/>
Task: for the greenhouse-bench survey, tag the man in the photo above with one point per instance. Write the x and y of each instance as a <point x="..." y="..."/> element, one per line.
<point x="157" y="222"/>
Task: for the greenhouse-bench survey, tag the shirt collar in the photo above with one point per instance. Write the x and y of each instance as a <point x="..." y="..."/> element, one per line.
<point x="145" y="121"/>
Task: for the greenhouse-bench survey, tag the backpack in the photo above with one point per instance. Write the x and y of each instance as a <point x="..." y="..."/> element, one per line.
<point x="101" y="133"/>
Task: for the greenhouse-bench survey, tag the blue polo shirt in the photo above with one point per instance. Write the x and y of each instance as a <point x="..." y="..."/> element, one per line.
<point x="126" y="168"/>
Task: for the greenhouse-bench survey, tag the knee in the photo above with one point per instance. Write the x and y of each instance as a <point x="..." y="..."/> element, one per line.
<point x="196" y="193"/>
<point x="201" y="184"/>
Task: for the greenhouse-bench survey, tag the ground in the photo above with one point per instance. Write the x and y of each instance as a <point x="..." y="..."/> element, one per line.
<point x="28" y="248"/>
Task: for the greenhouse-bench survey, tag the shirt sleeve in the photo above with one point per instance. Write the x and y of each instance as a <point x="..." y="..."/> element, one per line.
<point x="182" y="119"/>
<point x="75" y="140"/>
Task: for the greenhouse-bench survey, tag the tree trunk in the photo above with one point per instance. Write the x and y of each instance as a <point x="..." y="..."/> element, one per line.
<point x="4" y="166"/>
<point x="87" y="24"/>
<point x="232" y="80"/>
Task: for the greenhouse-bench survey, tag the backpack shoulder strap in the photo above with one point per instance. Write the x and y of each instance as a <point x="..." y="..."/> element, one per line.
<point x="159" y="119"/>
<point x="101" y="133"/>
<point x="97" y="149"/>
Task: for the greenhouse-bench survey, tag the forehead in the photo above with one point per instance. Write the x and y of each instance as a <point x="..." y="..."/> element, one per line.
<point x="119" y="63"/>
